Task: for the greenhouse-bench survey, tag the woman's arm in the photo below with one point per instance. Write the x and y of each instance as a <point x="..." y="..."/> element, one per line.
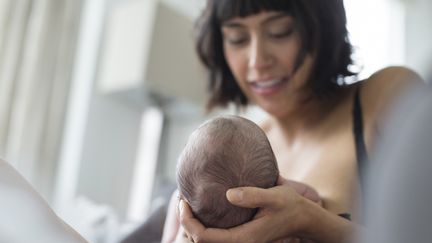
<point x="172" y="224"/>
<point x="381" y="92"/>
<point x="283" y="213"/>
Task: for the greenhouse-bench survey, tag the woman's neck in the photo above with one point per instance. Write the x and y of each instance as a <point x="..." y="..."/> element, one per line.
<point x="311" y="116"/>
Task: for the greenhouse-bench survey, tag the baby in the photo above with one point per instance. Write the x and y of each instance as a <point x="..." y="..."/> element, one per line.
<point x="224" y="153"/>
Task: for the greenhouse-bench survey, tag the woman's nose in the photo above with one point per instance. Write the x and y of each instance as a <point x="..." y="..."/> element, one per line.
<point x="260" y="56"/>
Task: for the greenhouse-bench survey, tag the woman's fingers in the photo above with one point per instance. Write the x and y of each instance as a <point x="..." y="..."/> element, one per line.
<point x="196" y="232"/>
<point x="191" y="225"/>
<point x="254" y="197"/>
<point x="264" y="228"/>
<point x="278" y="205"/>
<point x="248" y="197"/>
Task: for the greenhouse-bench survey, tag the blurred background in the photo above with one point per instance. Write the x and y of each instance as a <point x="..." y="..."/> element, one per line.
<point x="98" y="97"/>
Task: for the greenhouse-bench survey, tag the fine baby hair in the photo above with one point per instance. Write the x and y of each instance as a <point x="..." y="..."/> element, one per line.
<point x="223" y="153"/>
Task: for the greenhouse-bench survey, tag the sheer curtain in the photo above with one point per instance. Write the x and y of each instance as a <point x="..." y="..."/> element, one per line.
<point x="37" y="45"/>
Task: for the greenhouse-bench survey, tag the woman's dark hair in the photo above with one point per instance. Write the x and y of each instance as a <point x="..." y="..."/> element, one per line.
<point x="322" y="28"/>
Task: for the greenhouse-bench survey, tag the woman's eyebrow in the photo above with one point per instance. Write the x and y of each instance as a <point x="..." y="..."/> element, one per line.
<point x="275" y="17"/>
<point x="231" y="24"/>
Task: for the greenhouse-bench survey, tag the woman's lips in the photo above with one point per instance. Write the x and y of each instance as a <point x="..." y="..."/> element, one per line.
<point x="268" y="86"/>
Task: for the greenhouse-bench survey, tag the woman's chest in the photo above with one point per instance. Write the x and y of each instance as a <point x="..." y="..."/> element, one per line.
<point x="330" y="168"/>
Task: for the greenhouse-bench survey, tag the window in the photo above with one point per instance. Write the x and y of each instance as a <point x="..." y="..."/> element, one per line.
<point x="377" y="33"/>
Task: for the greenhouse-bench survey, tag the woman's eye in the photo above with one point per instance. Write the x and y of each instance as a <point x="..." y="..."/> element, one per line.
<point x="281" y="34"/>
<point x="235" y="40"/>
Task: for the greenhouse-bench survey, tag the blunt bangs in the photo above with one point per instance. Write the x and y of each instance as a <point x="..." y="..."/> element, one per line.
<point x="228" y="9"/>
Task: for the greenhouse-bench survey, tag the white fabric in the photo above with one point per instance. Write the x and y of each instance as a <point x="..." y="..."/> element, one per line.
<point x="25" y="216"/>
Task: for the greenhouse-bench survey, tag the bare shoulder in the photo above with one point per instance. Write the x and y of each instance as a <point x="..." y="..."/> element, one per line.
<point x="391" y="80"/>
<point x="384" y="88"/>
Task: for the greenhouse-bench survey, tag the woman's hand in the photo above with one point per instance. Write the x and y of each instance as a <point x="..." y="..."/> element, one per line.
<point x="283" y="213"/>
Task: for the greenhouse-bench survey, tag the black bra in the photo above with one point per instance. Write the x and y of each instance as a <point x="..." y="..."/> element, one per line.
<point x="360" y="145"/>
<point x="361" y="153"/>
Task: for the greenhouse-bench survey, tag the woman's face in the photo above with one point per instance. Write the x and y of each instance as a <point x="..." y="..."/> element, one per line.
<point x="261" y="51"/>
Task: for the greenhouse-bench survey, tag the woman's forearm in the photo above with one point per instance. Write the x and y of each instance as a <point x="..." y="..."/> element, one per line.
<point x="326" y="227"/>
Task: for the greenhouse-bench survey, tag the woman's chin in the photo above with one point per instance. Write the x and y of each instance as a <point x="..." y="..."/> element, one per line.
<point x="275" y="110"/>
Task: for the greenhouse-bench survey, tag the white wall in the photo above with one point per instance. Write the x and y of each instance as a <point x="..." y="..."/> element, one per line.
<point x="376" y="30"/>
<point x="191" y="8"/>
<point x="113" y="128"/>
<point x="109" y="152"/>
<point x="419" y="35"/>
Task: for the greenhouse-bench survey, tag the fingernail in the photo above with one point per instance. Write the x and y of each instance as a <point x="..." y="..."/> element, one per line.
<point x="235" y="194"/>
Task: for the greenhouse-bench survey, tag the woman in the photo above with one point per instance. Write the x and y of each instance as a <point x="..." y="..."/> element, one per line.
<point x="291" y="58"/>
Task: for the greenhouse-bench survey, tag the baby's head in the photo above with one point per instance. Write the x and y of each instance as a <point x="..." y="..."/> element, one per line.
<point x="223" y="153"/>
